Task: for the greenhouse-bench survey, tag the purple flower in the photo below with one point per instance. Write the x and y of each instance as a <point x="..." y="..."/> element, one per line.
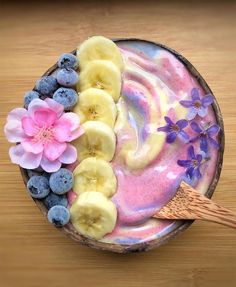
<point x="205" y="135"/>
<point x="192" y="164"/>
<point x="197" y="106"/>
<point x="174" y="129"/>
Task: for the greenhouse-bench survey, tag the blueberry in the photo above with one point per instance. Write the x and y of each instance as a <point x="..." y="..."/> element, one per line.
<point x="65" y="96"/>
<point x="67" y="77"/>
<point x="68" y="60"/>
<point x="29" y="96"/>
<point x="61" y="181"/>
<point x="58" y="215"/>
<point x="47" y="85"/>
<point x="54" y="199"/>
<point x="38" y="186"/>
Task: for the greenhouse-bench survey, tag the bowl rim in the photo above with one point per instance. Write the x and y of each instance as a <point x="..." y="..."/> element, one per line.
<point x="184" y="224"/>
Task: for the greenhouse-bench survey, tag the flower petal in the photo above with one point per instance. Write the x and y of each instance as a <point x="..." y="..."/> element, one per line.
<point x="72" y="121"/>
<point x="76" y="133"/>
<point x="13" y="128"/>
<point x="171" y="137"/>
<point x="164" y="129"/>
<point x="14" y="132"/>
<point x="30" y="146"/>
<point x="29" y="126"/>
<point x="168" y="120"/>
<point x="15" y="153"/>
<point x="190" y="171"/>
<point x="55" y="106"/>
<point x="207" y="100"/>
<point x="199" y="158"/>
<point x="203" y="144"/>
<point x="214" y="143"/>
<point x="202" y="112"/>
<point x="50" y="166"/>
<point x="191" y="114"/>
<point x="213" y="130"/>
<point x="196" y="127"/>
<point x="191" y="153"/>
<point x="182" y="124"/>
<point x="54" y="150"/>
<point x="44" y="117"/>
<point x="25" y="159"/>
<point x="62" y="131"/>
<point x="184" y="163"/>
<point x="195" y="94"/>
<point x="36" y="104"/>
<point x="184" y="136"/>
<point x="186" y="104"/>
<point x="197" y="173"/>
<point x="17" y="114"/>
<point x="69" y="155"/>
<point x="71" y="118"/>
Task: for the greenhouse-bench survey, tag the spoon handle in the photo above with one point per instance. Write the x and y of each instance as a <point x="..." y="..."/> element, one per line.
<point x="191" y="204"/>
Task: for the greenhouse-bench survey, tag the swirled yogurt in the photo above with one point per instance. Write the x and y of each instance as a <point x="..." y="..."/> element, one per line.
<point x="154" y="82"/>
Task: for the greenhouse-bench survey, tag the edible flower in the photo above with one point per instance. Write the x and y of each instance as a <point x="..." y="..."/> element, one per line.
<point x="205" y="135"/>
<point x="174" y="130"/>
<point x="42" y="133"/>
<point x="197" y="106"/>
<point x="192" y="164"/>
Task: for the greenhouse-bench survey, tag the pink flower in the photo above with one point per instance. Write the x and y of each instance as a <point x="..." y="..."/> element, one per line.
<point x="43" y="132"/>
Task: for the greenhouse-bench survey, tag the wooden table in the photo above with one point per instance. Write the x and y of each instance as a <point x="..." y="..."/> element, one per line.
<point x="32" y="36"/>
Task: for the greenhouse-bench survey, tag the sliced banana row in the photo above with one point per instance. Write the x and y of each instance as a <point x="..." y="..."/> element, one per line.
<point x="93" y="214"/>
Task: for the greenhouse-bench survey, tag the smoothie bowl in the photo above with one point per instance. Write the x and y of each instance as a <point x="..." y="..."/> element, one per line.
<point x="108" y="134"/>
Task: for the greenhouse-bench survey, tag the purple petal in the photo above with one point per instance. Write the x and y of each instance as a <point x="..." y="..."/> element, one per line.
<point x="199" y="158"/>
<point x="184" y="163"/>
<point x="196" y="127"/>
<point x="197" y="172"/>
<point x="186" y="104"/>
<point x="214" y="143"/>
<point x="184" y="136"/>
<point x="182" y="124"/>
<point x="191" y="153"/>
<point x="171" y="137"/>
<point x="195" y="94"/>
<point x="203" y="144"/>
<point x="168" y="120"/>
<point x="207" y="100"/>
<point x="163" y="129"/>
<point x="213" y="130"/>
<point x="190" y="171"/>
<point x="202" y="112"/>
<point x="191" y="114"/>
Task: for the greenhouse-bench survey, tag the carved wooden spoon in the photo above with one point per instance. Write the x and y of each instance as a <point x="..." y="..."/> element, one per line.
<point x="191" y="204"/>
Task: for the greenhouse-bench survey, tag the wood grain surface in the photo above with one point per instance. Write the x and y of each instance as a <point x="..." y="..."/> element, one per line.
<point x="32" y="35"/>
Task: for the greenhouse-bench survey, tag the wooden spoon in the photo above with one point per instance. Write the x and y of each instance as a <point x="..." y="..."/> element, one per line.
<point x="191" y="204"/>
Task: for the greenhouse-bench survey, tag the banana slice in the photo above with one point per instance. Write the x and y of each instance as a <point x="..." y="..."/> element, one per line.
<point x="98" y="140"/>
<point x="96" y="105"/>
<point x="93" y="215"/>
<point x="94" y="174"/>
<point x="103" y="75"/>
<point x="99" y="48"/>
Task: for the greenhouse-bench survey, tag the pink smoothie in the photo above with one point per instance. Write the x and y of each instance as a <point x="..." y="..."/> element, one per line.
<point x="154" y="81"/>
